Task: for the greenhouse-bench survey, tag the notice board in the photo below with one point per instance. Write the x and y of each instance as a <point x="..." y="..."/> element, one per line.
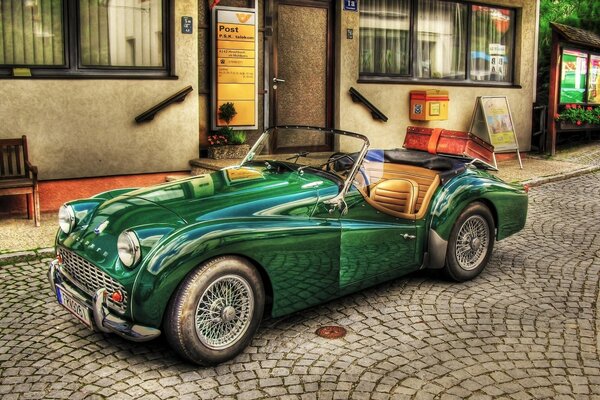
<point x="492" y="122"/>
<point x="235" y="65"/>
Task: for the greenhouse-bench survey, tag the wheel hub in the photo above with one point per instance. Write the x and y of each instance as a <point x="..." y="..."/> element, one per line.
<point x="228" y="314"/>
<point x="475" y="244"/>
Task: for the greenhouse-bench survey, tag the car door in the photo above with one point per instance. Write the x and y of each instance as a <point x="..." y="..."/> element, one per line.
<point x="374" y="246"/>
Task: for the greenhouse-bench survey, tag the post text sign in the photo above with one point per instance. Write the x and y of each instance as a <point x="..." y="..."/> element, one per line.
<point x="234" y="56"/>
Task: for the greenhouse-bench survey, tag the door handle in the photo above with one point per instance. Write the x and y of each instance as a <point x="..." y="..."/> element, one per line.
<point x="275" y="80"/>
<point x="406" y="236"/>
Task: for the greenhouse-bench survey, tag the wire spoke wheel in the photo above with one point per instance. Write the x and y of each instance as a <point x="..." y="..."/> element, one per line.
<point x="472" y="242"/>
<point x="224" y="312"/>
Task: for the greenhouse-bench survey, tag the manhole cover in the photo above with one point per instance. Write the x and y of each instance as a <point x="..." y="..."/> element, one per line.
<point x="331" y="332"/>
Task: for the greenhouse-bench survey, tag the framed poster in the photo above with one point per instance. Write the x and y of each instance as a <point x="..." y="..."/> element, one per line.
<point x="573" y="76"/>
<point x="492" y="122"/>
<point x="594" y="80"/>
<point x="235" y="65"/>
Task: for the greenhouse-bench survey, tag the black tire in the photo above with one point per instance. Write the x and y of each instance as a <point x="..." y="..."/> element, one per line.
<point x="233" y="321"/>
<point x="471" y="243"/>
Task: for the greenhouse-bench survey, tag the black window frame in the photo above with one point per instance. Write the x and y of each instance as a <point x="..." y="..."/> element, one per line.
<point x="411" y="78"/>
<point x="72" y="67"/>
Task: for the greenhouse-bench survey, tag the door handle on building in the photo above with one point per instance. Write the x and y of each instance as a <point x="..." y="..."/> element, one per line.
<point x="275" y="80"/>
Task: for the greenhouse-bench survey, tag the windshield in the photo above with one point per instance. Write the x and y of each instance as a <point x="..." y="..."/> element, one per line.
<point x="302" y="149"/>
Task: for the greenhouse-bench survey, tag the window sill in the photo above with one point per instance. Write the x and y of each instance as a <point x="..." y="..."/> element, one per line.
<point x="432" y="82"/>
<point x="7" y="73"/>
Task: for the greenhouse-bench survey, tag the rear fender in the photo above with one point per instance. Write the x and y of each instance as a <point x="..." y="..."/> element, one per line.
<point x="507" y="203"/>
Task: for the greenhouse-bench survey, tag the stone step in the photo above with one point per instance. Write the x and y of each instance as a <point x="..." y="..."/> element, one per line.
<point x="171" y="178"/>
<point x="201" y="166"/>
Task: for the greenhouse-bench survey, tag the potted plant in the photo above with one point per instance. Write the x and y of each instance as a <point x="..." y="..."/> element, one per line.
<point x="575" y="116"/>
<point x="227" y="143"/>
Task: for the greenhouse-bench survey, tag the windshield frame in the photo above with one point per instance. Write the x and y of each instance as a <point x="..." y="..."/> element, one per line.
<point x="338" y="199"/>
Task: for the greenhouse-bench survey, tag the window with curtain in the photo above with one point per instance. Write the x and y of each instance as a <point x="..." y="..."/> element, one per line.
<point x="121" y="32"/>
<point x="31" y="32"/>
<point x="441" y="40"/>
<point x="105" y="37"/>
<point x="436" y="40"/>
<point x="492" y="32"/>
<point x="384" y="37"/>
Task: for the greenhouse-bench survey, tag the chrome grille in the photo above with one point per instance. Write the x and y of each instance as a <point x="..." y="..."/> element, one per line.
<point x="90" y="278"/>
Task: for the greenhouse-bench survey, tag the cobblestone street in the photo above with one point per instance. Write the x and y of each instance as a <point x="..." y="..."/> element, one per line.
<point x="526" y="328"/>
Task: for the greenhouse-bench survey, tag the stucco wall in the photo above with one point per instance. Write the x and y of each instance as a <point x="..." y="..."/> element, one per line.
<point x="86" y="127"/>
<point x="393" y="99"/>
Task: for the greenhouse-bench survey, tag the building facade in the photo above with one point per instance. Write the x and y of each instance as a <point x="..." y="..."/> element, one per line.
<point x="74" y="74"/>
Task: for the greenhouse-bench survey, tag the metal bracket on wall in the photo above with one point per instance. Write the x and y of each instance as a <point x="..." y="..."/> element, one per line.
<point x="375" y="112"/>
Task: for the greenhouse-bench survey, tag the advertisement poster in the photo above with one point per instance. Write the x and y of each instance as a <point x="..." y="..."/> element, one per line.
<point x="492" y="122"/>
<point x="594" y="83"/>
<point x="234" y="57"/>
<point x="497" y="115"/>
<point x="573" y="76"/>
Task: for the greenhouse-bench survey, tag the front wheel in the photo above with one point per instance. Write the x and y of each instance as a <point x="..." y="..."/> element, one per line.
<point x="215" y="311"/>
<point x="471" y="243"/>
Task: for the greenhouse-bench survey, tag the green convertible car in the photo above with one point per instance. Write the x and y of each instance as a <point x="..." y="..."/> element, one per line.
<point x="203" y="258"/>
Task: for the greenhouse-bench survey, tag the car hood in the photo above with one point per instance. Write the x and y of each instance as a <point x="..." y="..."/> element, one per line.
<point x="236" y="192"/>
<point x="156" y="211"/>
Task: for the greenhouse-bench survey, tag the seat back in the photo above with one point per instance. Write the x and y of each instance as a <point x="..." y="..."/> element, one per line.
<point x="13" y="153"/>
<point x="399" y="195"/>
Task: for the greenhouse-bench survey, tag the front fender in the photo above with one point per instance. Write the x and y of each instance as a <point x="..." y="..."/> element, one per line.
<point x="258" y="239"/>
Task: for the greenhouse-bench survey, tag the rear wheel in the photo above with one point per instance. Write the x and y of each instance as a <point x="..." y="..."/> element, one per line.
<point x="471" y="242"/>
<point x="215" y="311"/>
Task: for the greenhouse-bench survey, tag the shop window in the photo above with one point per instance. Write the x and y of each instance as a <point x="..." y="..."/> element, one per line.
<point x="450" y="41"/>
<point x="85" y="37"/>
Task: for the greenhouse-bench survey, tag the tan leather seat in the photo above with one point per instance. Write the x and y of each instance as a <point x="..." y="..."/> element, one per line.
<point x="399" y="195"/>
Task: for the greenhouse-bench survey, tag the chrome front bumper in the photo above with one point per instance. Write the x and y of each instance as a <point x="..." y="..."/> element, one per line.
<point x="104" y="320"/>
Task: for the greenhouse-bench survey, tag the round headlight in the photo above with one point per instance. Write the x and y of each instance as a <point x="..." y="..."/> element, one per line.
<point x="66" y="218"/>
<point x="128" y="247"/>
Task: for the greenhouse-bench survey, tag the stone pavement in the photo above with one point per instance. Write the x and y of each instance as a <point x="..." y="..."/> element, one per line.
<point x="526" y="328"/>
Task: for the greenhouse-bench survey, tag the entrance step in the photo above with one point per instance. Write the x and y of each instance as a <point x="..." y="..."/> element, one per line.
<point x="208" y="165"/>
<point x="171" y="178"/>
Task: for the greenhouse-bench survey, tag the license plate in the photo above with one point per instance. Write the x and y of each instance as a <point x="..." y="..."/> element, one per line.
<point x="75" y="307"/>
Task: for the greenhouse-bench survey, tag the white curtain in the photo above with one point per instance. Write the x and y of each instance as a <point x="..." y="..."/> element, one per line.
<point x="384" y="37"/>
<point x="121" y="32"/>
<point x="441" y="40"/>
<point x="31" y="32"/>
<point x="491" y="44"/>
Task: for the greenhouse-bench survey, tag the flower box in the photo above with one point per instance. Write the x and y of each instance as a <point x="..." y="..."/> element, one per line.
<point x="572" y="126"/>
<point x="228" y="151"/>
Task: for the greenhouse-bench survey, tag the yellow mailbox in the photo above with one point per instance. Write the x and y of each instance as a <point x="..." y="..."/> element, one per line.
<point x="429" y="105"/>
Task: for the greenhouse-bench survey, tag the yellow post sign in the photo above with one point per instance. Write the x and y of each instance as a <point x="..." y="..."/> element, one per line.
<point x="234" y="56"/>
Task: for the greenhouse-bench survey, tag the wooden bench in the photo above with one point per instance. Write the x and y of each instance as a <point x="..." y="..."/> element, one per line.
<point x="18" y="176"/>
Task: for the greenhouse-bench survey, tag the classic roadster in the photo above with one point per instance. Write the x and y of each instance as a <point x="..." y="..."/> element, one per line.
<point x="203" y="258"/>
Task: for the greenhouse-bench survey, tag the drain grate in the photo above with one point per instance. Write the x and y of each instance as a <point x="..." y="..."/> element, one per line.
<point x="331" y="332"/>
